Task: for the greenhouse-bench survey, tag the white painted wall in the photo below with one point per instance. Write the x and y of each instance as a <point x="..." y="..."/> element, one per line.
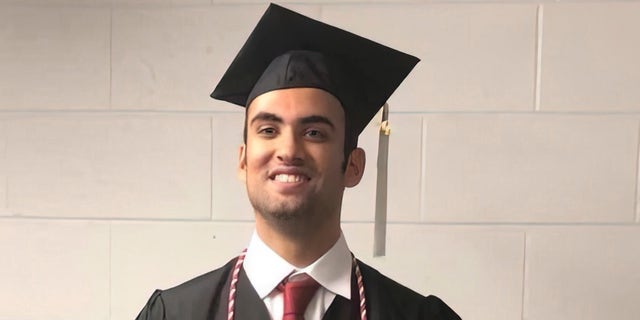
<point x="514" y="164"/>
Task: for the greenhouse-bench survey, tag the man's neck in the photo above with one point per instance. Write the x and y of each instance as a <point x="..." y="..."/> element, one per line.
<point x="301" y="248"/>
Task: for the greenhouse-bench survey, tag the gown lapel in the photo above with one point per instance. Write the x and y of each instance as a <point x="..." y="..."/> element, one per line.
<point x="340" y="309"/>
<point x="252" y="307"/>
<point x="375" y="305"/>
<point x="343" y="309"/>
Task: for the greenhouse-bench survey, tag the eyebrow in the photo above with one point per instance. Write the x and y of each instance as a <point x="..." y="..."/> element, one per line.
<point x="317" y="119"/>
<point x="266" y="116"/>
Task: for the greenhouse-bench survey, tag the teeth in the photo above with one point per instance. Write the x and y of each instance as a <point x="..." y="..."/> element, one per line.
<point x="288" y="178"/>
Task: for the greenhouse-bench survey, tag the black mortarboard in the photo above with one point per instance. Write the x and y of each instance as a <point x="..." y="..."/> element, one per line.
<point x="288" y="50"/>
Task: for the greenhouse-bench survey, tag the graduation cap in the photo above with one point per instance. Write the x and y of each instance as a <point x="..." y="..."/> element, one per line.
<point x="289" y="50"/>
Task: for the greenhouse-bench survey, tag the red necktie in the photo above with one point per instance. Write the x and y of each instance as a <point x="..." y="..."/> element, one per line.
<point x="297" y="294"/>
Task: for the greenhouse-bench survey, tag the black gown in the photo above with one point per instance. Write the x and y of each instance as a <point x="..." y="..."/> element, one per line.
<point x="206" y="298"/>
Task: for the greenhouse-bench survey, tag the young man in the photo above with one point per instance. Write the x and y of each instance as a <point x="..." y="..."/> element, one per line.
<point x="309" y="89"/>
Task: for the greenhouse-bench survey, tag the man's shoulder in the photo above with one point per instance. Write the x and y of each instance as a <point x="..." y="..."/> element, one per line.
<point x="396" y="298"/>
<point x="193" y="299"/>
<point x="205" y="283"/>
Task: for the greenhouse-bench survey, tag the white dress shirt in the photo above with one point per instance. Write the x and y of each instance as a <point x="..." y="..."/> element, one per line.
<point x="266" y="269"/>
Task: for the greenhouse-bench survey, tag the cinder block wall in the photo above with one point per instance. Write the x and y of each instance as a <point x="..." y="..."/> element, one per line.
<point x="514" y="153"/>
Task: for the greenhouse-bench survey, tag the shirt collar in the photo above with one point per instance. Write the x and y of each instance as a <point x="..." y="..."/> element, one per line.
<point x="266" y="269"/>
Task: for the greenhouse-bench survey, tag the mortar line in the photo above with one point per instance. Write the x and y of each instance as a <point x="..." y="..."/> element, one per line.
<point x="211" y="151"/>
<point x="538" y="62"/>
<point x="523" y="224"/>
<point x="423" y="170"/>
<point x="110" y="269"/>
<point x="637" y="191"/>
<point x="524" y="275"/>
<point x="213" y="111"/>
<point x="111" y="57"/>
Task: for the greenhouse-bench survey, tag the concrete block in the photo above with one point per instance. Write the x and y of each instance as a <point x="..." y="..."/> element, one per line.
<point x="155" y="167"/>
<point x="477" y="271"/>
<point x="293" y="4"/>
<point x="530" y="168"/>
<point x="589" y="57"/>
<point x="94" y="3"/>
<point x="54" y="57"/>
<point x="405" y="167"/>
<point x="54" y="270"/>
<point x="582" y="273"/>
<point x="159" y="255"/>
<point x="173" y="57"/>
<point x="160" y="2"/>
<point x="474" y="56"/>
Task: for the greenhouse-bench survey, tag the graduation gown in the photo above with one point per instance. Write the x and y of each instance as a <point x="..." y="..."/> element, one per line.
<point x="206" y="298"/>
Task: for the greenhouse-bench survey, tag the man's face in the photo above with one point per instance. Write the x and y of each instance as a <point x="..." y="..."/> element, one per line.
<point x="292" y="160"/>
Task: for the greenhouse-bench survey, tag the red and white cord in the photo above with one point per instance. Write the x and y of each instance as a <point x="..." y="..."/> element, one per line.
<point x="232" y="287"/>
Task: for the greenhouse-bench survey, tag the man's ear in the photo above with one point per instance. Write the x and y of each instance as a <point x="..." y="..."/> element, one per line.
<point x="242" y="163"/>
<point x="355" y="168"/>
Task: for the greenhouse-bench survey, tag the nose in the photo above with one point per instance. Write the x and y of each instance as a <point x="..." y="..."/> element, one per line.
<point x="290" y="149"/>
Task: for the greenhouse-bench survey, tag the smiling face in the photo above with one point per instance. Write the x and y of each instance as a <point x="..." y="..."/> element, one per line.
<point x="293" y="157"/>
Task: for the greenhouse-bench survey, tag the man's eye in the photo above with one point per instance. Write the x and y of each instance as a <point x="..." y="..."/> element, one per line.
<point x="267" y="131"/>
<point x="314" y="133"/>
